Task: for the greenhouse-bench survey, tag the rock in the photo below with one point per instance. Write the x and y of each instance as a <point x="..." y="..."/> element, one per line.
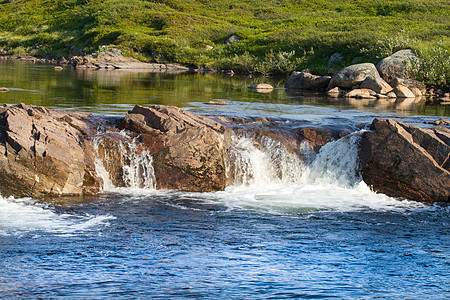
<point x="361" y="94"/>
<point x="395" y="66"/>
<point x="417" y="93"/>
<point x="189" y="151"/>
<point x="403" y="92"/>
<point x="261" y="88"/>
<point x="440" y="121"/>
<point x="216" y="103"/>
<point x="376" y="84"/>
<point x="335" y="59"/>
<point x="307" y="81"/>
<point x="391" y="95"/>
<point x="405" y="161"/>
<point x="353" y="75"/>
<point x="232" y="39"/>
<point x="42" y="153"/>
<point x="3" y="89"/>
<point x="410" y="83"/>
<point x="58" y="68"/>
<point x="336" y="92"/>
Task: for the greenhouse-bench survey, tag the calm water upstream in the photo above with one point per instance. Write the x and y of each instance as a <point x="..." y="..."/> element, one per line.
<point x="285" y="229"/>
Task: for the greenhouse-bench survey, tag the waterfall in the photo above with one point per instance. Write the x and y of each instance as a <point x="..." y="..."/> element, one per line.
<point x="262" y="163"/>
<point x="268" y="162"/>
<point x="134" y="165"/>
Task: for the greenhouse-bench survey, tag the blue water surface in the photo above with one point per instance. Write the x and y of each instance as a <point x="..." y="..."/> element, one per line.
<point x="164" y="246"/>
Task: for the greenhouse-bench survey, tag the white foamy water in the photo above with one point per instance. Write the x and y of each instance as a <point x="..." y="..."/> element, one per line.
<point x="267" y="177"/>
<point x="137" y="170"/>
<point x="23" y="215"/>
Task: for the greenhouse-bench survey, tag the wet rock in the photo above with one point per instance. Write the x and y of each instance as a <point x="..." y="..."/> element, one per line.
<point x="189" y="151"/>
<point x="261" y="88"/>
<point x="336" y="92"/>
<point x="42" y="153"/>
<point x="440" y="121"/>
<point x="405" y="161"/>
<point x="307" y="81"/>
<point x="395" y="66"/>
<point x="216" y="103"/>
<point x="361" y="94"/>
<point x="353" y="75"/>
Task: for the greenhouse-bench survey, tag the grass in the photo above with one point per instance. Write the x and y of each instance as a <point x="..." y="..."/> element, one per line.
<point x="276" y="36"/>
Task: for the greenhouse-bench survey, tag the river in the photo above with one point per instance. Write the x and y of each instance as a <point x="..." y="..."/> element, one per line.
<point x="283" y="229"/>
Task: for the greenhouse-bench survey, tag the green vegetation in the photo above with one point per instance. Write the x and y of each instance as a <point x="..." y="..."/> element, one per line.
<point x="276" y="36"/>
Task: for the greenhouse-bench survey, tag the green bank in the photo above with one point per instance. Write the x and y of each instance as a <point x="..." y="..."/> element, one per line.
<point x="273" y="36"/>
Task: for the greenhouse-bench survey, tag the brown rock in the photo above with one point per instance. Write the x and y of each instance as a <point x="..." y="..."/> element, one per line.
<point x="189" y="151"/>
<point x="406" y="161"/>
<point x="42" y="152"/>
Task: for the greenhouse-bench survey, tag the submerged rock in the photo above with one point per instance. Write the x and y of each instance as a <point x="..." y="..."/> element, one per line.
<point x="405" y="161"/>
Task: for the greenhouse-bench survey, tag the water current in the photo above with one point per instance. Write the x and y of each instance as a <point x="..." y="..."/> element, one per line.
<point x="284" y="228"/>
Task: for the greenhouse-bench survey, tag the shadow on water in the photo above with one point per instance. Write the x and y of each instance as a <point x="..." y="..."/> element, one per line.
<point x="115" y="92"/>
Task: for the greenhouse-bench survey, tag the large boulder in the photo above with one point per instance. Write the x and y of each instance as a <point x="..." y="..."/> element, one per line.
<point x="407" y="161"/>
<point x="353" y="75"/>
<point x="307" y="81"/>
<point x="189" y="151"/>
<point x="396" y="65"/>
<point x="42" y="153"/>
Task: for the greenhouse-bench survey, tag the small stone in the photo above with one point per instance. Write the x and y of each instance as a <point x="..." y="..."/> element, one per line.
<point x="232" y="39"/>
<point x="216" y="102"/>
<point x="262" y="88"/>
<point x="58" y="68"/>
<point x="3" y="89"/>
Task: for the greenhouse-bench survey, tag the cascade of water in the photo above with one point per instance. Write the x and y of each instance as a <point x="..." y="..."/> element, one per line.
<point x="265" y="163"/>
<point x="139" y="172"/>
<point x="100" y="169"/>
<point x="268" y="162"/>
<point x="137" y="166"/>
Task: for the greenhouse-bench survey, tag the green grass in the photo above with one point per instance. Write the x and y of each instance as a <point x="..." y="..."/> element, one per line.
<point x="277" y="36"/>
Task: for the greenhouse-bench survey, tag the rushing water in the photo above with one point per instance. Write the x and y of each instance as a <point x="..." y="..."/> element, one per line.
<point x="284" y="228"/>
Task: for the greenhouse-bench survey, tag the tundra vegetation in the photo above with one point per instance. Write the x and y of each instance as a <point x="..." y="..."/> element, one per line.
<point x="273" y="36"/>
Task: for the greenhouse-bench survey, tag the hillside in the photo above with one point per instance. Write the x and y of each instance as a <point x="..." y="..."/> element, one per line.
<point x="275" y="35"/>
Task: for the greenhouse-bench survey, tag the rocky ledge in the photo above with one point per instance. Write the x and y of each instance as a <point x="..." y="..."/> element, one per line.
<point x="52" y="153"/>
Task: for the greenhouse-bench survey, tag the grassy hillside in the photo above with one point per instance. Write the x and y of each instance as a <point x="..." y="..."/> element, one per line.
<point x="276" y="35"/>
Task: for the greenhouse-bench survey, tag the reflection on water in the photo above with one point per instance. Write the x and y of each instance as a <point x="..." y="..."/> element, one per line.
<point x="114" y="92"/>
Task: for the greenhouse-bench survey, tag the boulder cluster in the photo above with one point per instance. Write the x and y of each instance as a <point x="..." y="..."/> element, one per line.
<point x="388" y="79"/>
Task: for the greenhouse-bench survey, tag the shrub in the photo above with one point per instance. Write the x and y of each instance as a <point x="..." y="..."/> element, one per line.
<point x="433" y="67"/>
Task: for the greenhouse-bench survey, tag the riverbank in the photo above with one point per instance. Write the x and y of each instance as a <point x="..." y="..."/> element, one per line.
<point x="268" y="38"/>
